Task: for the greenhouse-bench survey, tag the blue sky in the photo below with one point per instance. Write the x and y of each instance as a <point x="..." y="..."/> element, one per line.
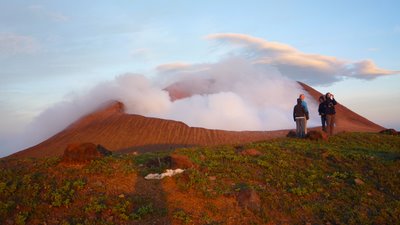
<point x="50" y="49"/>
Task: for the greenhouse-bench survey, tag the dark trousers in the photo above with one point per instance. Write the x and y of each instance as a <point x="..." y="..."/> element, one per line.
<point x="330" y="122"/>
<point x="323" y="121"/>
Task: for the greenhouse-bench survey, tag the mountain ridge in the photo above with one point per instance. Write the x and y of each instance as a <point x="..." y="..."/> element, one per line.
<point x="111" y="127"/>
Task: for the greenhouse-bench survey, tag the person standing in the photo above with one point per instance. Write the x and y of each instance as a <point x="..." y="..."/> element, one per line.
<point x="300" y="116"/>
<point x="330" y="103"/>
<point x="302" y="97"/>
<point x="321" y="111"/>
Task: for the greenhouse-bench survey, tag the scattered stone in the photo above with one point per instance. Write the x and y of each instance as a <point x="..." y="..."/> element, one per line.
<point x="358" y="181"/>
<point x="317" y="135"/>
<point x="291" y="134"/>
<point x="121" y="196"/>
<point x="251" y="152"/>
<point x="369" y="194"/>
<point x="80" y="153"/>
<point x="389" y="132"/>
<point x="249" y="199"/>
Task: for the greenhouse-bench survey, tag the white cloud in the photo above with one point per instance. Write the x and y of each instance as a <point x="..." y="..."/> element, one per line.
<point x="367" y="69"/>
<point x="309" y="68"/>
<point x="12" y="44"/>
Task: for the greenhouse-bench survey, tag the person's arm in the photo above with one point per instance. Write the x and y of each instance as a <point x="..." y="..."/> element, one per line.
<point x="294" y="113"/>
<point x="333" y="99"/>
<point x="307" y="115"/>
<point x="304" y="104"/>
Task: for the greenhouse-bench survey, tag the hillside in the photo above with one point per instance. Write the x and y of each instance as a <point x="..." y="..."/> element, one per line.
<point x="116" y="130"/>
<point x="111" y="127"/>
<point x="346" y="120"/>
<point x="352" y="179"/>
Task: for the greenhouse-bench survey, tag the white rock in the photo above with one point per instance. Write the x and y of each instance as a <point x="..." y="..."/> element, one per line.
<point x="167" y="173"/>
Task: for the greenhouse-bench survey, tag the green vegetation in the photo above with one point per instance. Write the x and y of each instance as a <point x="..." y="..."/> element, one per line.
<point x="354" y="178"/>
<point x="182" y="216"/>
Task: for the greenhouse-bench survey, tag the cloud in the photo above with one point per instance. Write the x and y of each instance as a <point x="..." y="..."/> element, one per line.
<point x="234" y="94"/>
<point x="367" y="70"/>
<point x="297" y="65"/>
<point x="13" y="44"/>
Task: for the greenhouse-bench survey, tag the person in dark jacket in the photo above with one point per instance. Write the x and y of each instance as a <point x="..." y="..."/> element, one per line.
<point x="330" y="111"/>
<point x="321" y="111"/>
<point x="300" y="116"/>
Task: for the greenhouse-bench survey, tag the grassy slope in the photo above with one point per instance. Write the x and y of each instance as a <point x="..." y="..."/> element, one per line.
<point x="298" y="181"/>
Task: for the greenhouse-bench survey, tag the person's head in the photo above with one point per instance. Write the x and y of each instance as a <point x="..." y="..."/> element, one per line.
<point x="298" y="101"/>
<point x="321" y="98"/>
<point x="328" y="95"/>
<point x="302" y="97"/>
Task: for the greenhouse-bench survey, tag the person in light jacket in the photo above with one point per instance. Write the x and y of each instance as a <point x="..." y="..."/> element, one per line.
<point x="300" y="116"/>
<point x="302" y="97"/>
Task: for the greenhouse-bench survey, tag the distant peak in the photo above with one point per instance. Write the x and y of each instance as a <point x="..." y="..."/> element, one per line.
<point x="105" y="110"/>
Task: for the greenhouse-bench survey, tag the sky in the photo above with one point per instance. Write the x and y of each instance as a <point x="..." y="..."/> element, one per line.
<point x="53" y="51"/>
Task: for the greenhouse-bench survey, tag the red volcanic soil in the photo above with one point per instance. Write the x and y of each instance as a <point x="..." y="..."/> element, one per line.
<point x="111" y="127"/>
